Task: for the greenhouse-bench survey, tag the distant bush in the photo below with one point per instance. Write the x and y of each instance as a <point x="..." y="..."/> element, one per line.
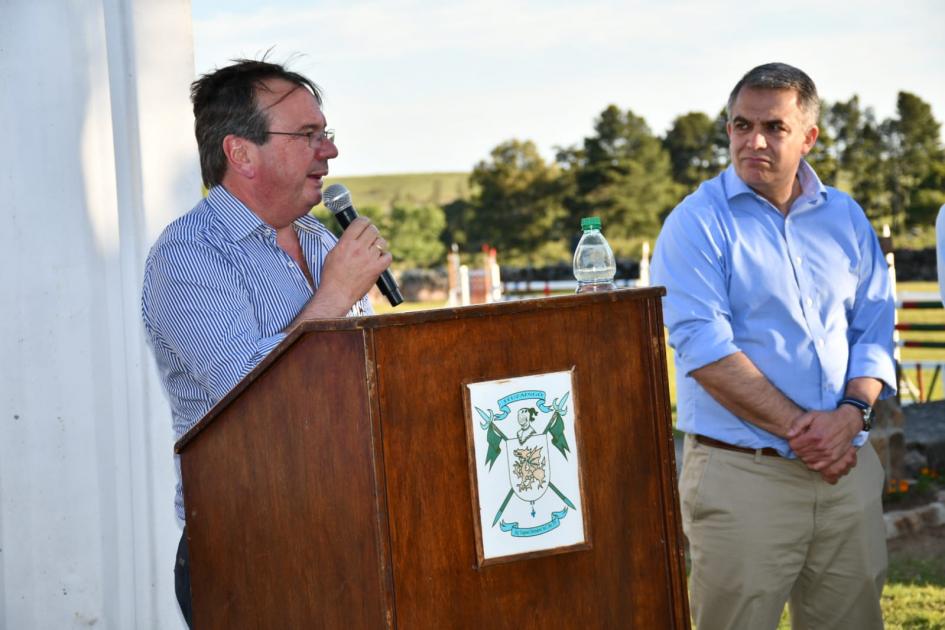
<point x="413" y="232"/>
<point x="424" y="285"/>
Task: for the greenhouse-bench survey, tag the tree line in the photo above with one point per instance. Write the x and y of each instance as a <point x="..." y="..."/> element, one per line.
<point x="530" y="209"/>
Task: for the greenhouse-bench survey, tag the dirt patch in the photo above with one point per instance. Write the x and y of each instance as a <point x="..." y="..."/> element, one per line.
<point x="927" y="543"/>
<point x="914" y="499"/>
<point x="918" y="558"/>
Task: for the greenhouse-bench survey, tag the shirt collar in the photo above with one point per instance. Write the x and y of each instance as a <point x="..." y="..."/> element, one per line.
<point x="239" y="221"/>
<point x="811" y="186"/>
<point x="310" y="224"/>
<point x="235" y="217"/>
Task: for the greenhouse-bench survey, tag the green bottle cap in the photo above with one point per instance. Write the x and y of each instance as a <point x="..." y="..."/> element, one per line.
<point x="590" y="223"/>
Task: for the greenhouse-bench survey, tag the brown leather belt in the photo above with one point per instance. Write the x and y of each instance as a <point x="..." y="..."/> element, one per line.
<point x="701" y="439"/>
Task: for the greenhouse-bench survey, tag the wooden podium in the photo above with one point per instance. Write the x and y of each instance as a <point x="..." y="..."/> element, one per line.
<point x="332" y="487"/>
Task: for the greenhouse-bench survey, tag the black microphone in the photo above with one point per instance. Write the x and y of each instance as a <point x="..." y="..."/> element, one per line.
<point x="337" y="198"/>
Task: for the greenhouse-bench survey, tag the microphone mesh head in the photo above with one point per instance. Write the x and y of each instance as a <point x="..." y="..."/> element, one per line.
<point x="336" y="197"/>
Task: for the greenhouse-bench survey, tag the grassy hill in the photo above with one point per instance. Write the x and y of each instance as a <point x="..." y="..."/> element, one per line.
<point x="382" y="191"/>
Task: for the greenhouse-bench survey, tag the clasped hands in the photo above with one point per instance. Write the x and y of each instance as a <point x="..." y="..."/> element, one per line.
<point x="823" y="440"/>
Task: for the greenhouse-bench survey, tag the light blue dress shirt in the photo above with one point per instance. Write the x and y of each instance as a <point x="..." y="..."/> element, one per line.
<point x="218" y="293"/>
<point x="806" y="297"/>
<point x="940" y="250"/>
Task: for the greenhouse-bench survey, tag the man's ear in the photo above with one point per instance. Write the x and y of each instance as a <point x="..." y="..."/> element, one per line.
<point x="810" y="138"/>
<point x="240" y="155"/>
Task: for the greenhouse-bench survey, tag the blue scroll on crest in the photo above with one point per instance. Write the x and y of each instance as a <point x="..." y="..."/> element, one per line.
<point x="503" y="403"/>
<point x="537" y="530"/>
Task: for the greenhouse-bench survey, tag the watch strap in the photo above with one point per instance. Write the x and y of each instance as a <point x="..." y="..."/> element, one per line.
<point x="865" y="408"/>
<point x="862" y="405"/>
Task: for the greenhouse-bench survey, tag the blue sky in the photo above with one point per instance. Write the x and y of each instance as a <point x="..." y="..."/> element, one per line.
<point x="416" y="86"/>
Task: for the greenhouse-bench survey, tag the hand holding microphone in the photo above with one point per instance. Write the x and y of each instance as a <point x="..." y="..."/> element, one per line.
<point x="337" y="198"/>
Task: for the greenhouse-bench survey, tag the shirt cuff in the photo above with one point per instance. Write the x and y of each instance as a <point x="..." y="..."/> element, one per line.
<point x="710" y="343"/>
<point x="860" y="439"/>
<point x="872" y="360"/>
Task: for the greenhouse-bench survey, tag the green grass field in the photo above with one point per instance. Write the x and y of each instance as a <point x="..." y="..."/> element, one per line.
<point x="382" y="191"/>
<point x="905" y="607"/>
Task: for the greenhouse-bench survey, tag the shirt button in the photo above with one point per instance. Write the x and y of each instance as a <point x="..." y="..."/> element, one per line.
<point x="820" y="342"/>
<point x="809" y="302"/>
<point x="798" y="261"/>
<point x="291" y="264"/>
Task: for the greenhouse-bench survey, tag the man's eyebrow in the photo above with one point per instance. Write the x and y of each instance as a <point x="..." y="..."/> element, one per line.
<point x="767" y="123"/>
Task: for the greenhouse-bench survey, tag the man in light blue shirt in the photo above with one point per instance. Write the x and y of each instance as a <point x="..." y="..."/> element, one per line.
<point x="226" y="281"/>
<point x="940" y="250"/>
<point x="780" y="312"/>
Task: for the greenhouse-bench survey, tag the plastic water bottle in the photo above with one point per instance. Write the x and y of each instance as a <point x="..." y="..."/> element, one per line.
<point x="594" y="265"/>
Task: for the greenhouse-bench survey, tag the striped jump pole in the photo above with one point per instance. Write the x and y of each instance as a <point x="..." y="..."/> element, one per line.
<point x="919" y="304"/>
<point x="921" y="327"/>
<point x="920" y="344"/>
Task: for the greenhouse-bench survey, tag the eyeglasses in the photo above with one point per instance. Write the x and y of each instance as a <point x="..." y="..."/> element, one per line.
<point x="315" y="138"/>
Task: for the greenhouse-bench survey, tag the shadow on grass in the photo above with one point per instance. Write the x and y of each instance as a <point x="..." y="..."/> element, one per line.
<point x="916" y="571"/>
<point x="918" y="559"/>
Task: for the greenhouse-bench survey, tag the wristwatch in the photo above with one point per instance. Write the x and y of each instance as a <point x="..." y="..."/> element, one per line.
<point x="864" y="408"/>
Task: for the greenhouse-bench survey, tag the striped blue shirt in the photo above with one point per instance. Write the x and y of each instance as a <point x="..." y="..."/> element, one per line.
<point x="805" y="296"/>
<point x="218" y="294"/>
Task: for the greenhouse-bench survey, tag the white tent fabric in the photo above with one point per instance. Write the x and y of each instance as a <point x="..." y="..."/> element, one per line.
<point x="98" y="156"/>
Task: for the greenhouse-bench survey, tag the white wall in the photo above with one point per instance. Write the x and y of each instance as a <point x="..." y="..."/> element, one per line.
<point x="97" y="156"/>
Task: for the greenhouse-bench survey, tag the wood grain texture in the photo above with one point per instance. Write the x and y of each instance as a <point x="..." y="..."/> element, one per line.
<point x="332" y="489"/>
<point x="628" y="578"/>
<point x="280" y="495"/>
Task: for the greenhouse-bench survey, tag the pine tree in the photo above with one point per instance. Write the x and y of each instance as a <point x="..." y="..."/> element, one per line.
<point x="622" y="174"/>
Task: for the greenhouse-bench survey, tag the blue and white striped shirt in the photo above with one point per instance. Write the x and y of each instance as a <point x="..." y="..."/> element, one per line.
<point x="218" y="294"/>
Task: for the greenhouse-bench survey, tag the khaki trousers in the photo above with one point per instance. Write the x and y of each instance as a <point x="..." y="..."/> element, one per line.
<point x="764" y="530"/>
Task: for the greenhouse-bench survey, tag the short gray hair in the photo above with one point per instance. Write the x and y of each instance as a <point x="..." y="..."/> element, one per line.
<point x="780" y="76"/>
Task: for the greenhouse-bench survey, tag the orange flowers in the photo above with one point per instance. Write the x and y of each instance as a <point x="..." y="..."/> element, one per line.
<point x="924" y="483"/>
<point x="897" y="486"/>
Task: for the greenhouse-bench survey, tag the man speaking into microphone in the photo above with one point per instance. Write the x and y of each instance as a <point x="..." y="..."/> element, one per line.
<point x="226" y="281"/>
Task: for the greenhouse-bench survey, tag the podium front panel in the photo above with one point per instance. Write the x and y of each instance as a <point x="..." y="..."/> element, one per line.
<point x="632" y="575"/>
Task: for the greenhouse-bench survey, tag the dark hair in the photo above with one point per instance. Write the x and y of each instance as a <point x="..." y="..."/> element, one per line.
<point x="781" y="76"/>
<point x="225" y="103"/>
